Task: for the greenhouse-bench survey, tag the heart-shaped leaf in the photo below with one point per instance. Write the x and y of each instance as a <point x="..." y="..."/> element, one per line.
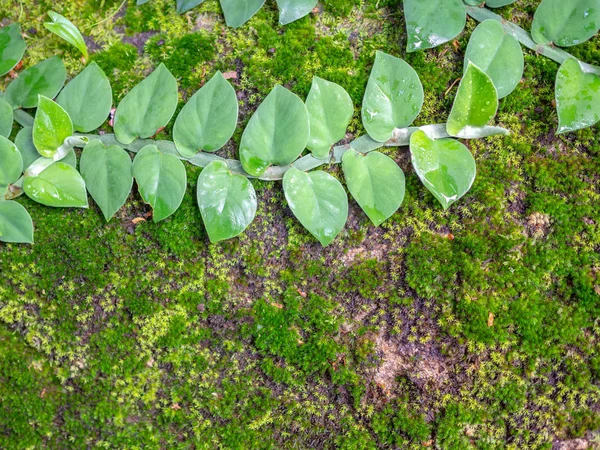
<point x="208" y="120"/>
<point x="186" y="5"/>
<point x="577" y="97"/>
<point x="430" y="23"/>
<point x="12" y="47"/>
<point x="11" y="163"/>
<point x="318" y="201"/>
<point x="227" y="201"/>
<point x="60" y="186"/>
<point x="393" y="99"/>
<point x="65" y="29"/>
<point x="6" y="118"/>
<point x="108" y="176"/>
<point x="238" y="12"/>
<point x="147" y="107"/>
<point x="330" y="110"/>
<point x="45" y="78"/>
<point x="52" y="125"/>
<point x="25" y="145"/>
<point x="376" y="182"/>
<point x="161" y="180"/>
<point x="291" y="10"/>
<point x="498" y="54"/>
<point x="565" y="23"/>
<point x="15" y="223"/>
<point x="475" y="104"/>
<point x="277" y="133"/>
<point x="445" y="166"/>
<point x="87" y="98"/>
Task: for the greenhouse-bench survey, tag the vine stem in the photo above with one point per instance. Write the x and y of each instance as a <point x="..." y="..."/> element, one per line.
<point x="363" y="144"/>
<point x="548" y="50"/>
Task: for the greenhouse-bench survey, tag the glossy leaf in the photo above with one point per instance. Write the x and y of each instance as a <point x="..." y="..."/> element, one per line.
<point x="161" y="180"/>
<point x="52" y="125"/>
<point x="186" y="5"/>
<point x="330" y="110"/>
<point x="318" y="201"/>
<point x="238" y="12"/>
<point x="291" y="10"/>
<point x="430" y="23"/>
<point x="277" y="133"/>
<point x="6" y="118"/>
<point x="577" y="97"/>
<point x="208" y="120"/>
<point x="15" y="223"/>
<point x="475" y="104"/>
<point x="108" y="175"/>
<point x="393" y="99"/>
<point x="87" y="98"/>
<point x="12" y="47"/>
<point x="45" y="78"/>
<point x="60" y="186"/>
<point x="445" y="166"/>
<point x="65" y="29"/>
<point x="11" y="162"/>
<point x="227" y="201"/>
<point x="565" y="22"/>
<point x="147" y="107"/>
<point x="498" y="54"/>
<point x="25" y="145"/>
<point x="376" y="182"/>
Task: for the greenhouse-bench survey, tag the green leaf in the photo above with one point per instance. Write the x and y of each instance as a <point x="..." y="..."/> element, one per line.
<point x="498" y="3"/>
<point x="24" y="142"/>
<point x="60" y="186"/>
<point x="330" y="110"/>
<point x="577" y="97"/>
<point x="108" y="176"/>
<point x="565" y="23"/>
<point x="238" y="12"/>
<point x="64" y="28"/>
<point x="318" y="201"/>
<point x="15" y="223"/>
<point x="12" y="47"/>
<point x="141" y="2"/>
<point x="498" y="54"/>
<point x="445" y="166"/>
<point x="45" y="78"/>
<point x="393" y="99"/>
<point x="292" y="10"/>
<point x="227" y="201"/>
<point x="87" y="98"/>
<point x="161" y="180"/>
<point x="11" y="162"/>
<point x="430" y="23"/>
<point x="277" y="133"/>
<point x="376" y="182"/>
<point x="147" y="107"/>
<point x="208" y="120"/>
<point x="6" y="118"/>
<point x="52" y="125"/>
<point x="186" y="5"/>
<point x="475" y="104"/>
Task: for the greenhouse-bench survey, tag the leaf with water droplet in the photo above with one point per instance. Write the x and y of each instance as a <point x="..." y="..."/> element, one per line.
<point x="475" y="104"/>
<point x="577" y="97"/>
<point x="393" y="99"/>
<point x="498" y="54"/>
<point x="318" y="201"/>
<point x="445" y="166"/>
<point x="376" y="182"/>
<point x="565" y="22"/>
<point x="52" y="125"/>
<point x="430" y="23"/>
<point x="60" y="186"/>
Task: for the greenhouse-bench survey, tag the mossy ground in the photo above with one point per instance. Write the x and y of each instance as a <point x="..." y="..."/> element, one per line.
<point x="473" y="328"/>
